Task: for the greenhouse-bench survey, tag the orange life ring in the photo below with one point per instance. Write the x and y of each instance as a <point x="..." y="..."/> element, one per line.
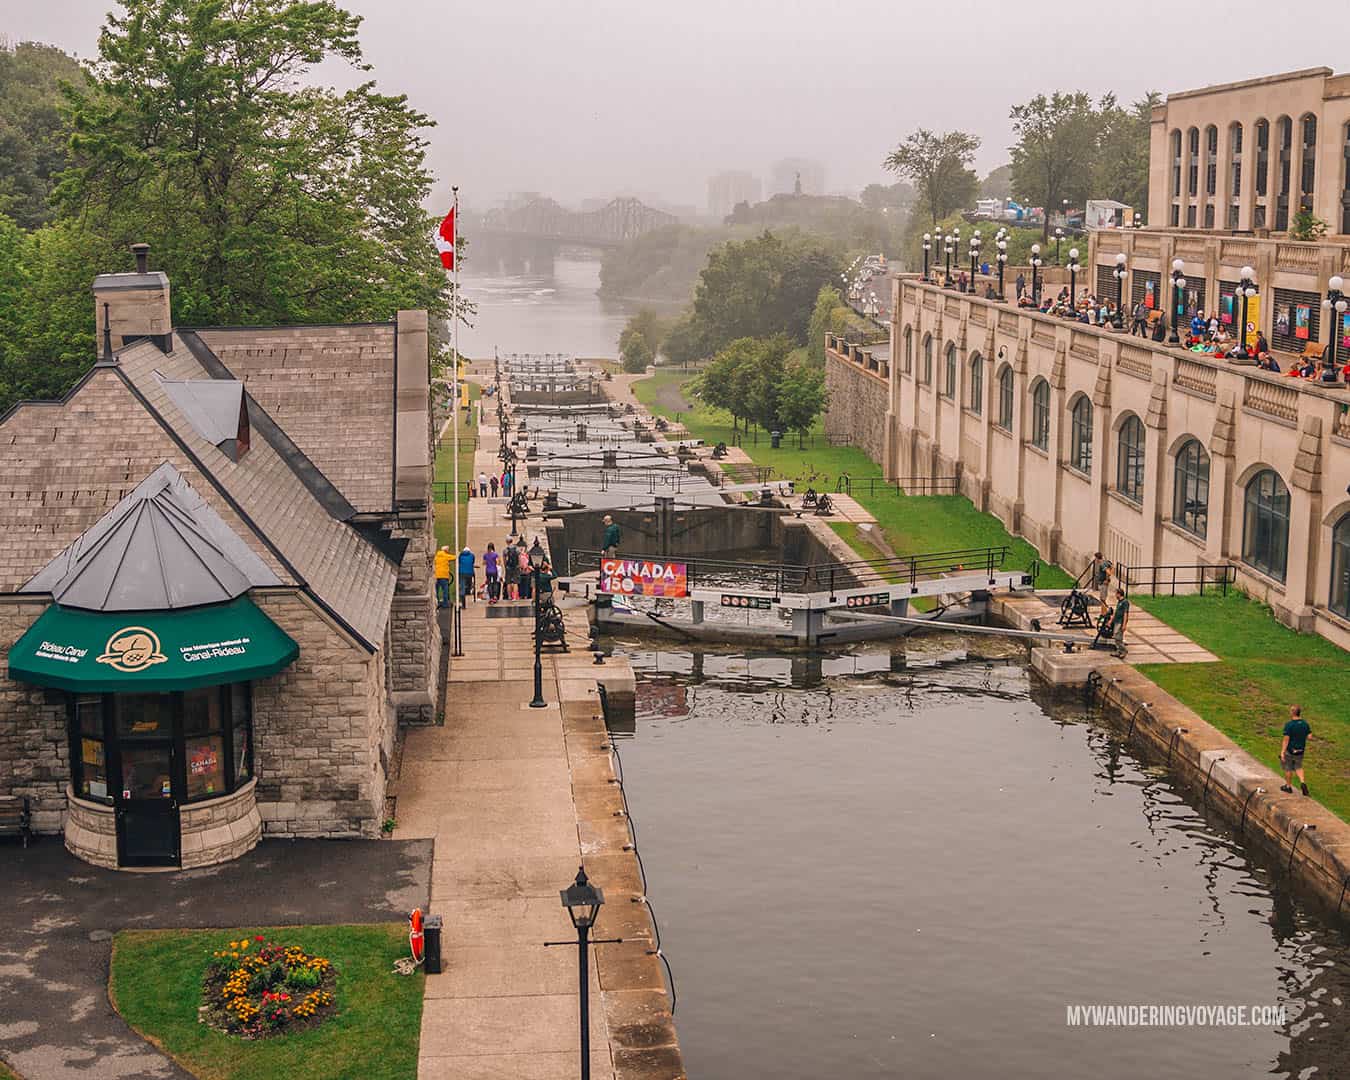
<point x="415" y="935"/>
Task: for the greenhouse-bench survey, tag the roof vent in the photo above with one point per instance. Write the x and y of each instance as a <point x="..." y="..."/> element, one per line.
<point x="215" y="408"/>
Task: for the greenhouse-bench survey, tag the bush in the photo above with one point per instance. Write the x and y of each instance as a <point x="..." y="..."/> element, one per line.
<point x="245" y="988"/>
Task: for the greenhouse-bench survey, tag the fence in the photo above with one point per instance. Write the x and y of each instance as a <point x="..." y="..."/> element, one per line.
<point x="464" y="442"/>
<point x="803" y="442"/>
<point x="901" y="485"/>
<point x="1166" y="579"/>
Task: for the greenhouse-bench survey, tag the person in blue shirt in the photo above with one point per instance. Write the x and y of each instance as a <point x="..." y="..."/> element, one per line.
<point x="466" y="561"/>
<point x="1198" y="326"/>
<point x="1295" y="741"/>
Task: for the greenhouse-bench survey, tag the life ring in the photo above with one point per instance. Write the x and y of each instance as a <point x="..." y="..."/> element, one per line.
<point x="415" y="935"/>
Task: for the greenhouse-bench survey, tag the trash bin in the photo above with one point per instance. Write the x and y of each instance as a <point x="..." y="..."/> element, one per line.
<point x="431" y="930"/>
<point x="775" y="439"/>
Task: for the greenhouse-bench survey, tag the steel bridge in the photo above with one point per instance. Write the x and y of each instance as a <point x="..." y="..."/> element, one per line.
<point x="543" y="219"/>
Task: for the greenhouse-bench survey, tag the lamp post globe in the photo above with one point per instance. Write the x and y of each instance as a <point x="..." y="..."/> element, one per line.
<point x="537" y="559"/>
<point x="1073" y="278"/>
<point x="1035" y="275"/>
<point x="1178" y="284"/>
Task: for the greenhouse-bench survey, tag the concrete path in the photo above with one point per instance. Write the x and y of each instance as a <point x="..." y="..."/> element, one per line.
<point x="59" y="914"/>
<point x="1148" y="640"/>
<point x="515" y="799"/>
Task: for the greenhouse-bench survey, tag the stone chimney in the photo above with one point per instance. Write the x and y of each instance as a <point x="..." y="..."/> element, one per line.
<point x="134" y="305"/>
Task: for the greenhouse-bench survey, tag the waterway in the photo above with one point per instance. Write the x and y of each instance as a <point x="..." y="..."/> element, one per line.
<point x="551" y="312"/>
<point x="904" y="861"/>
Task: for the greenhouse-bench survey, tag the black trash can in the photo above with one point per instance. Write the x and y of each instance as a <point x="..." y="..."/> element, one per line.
<point x="775" y="439"/>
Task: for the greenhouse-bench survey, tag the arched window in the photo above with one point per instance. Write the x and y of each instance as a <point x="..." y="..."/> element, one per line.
<point x="1193" y="163"/>
<point x="977" y="384"/>
<point x="1130" y="460"/>
<point x="1308" y="159"/>
<point x="1340" y="567"/>
<point x="1176" y="163"/>
<point x="928" y="359"/>
<point x="1005" y="398"/>
<point x="1080" y="435"/>
<point x="1265" y="524"/>
<point x="1190" y="488"/>
<point x="909" y="349"/>
<point x="1040" y="415"/>
<point x="949" y="387"/>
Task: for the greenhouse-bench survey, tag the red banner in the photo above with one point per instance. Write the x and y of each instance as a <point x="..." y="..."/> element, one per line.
<point x="629" y="577"/>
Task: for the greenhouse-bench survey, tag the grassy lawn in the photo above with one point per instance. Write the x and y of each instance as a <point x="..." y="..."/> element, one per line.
<point x="6" y="1073"/>
<point x="1264" y="668"/>
<point x="444" y="473"/>
<point x="156" y="986"/>
<point x="910" y="523"/>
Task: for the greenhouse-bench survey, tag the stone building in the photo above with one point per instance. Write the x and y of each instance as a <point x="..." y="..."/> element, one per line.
<point x="215" y="582"/>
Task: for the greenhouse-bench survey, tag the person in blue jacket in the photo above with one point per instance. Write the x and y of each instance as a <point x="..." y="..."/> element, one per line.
<point x="466" y="561"/>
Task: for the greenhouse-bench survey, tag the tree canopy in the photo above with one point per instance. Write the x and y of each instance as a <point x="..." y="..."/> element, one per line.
<point x="939" y="167"/>
<point x="33" y="142"/>
<point x="765" y="381"/>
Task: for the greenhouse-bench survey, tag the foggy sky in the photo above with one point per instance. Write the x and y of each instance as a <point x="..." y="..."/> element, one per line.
<point x="594" y="98"/>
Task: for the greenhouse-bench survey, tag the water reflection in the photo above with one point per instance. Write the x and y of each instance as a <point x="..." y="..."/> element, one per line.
<point x="902" y="862"/>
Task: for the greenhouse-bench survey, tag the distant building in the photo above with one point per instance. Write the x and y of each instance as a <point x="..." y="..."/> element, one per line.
<point x="804" y="176"/>
<point x="1250" y="154"/>
<point x="726" y="189"/>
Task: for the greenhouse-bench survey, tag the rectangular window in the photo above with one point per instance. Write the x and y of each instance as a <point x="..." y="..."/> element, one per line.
<point x="205" y="766"/>
<point x="1190" y="217"/>
<point x="1296" y="321"/>
<point x="241" y="728"/>
<point x="1176" y="215"/>
<point x="90" y="775"/>
<point x="144" y="714"/>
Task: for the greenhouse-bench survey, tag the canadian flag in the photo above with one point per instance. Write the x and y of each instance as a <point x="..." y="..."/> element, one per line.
<point x="445" y="241"/>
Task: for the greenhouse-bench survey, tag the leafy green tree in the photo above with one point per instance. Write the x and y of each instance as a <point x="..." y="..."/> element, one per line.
<point x="683" y="343"/>
<point x="801" y="396"/>
<point x="1121" y="170"/>
<point x="725" y="382"/>
<point x="998" y="184"/>
<point x="939" y="167"/>
<point x="829" y="303"/>
<point x="33" y="135"/>
<point x="635" y="351"/>
<point x="1056" y="151"/>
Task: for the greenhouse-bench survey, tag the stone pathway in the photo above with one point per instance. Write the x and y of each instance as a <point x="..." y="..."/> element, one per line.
<point x="1148" y="640"/>
<point x="59" y="914"/>
<point x="515" y="799"/>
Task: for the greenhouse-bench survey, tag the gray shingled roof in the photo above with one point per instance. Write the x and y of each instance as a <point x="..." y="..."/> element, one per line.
<point x="160" y="547"/>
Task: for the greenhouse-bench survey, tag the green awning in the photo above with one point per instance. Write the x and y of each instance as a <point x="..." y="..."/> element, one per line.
<point x="130" y="651"/>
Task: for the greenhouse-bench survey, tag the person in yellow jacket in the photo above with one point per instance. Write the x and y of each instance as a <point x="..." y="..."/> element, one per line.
<point x="443" y="561"/>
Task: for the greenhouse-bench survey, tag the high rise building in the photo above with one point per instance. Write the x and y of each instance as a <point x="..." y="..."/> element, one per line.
<point x="726" y="189"/>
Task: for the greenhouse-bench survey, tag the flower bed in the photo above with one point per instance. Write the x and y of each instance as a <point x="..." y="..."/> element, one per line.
<point x="256" y="988"/>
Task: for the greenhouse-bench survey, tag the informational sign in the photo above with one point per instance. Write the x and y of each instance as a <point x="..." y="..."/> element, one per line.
<point x="1253" y="321"/>
<point x="1226" y="305"/>
<point x="1150" y="299"/>
<point x="750" y="603"/>
<point x="1302" y="321"/>
<point x="648" y="577"/>
<point x="868" y="600"/>
<point x="1345" y="331"/>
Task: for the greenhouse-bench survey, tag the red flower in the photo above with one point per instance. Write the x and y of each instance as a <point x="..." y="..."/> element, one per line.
<point x="257" y="937"/>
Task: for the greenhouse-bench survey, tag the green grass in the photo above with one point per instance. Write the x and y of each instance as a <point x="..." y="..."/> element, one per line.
<point x="156" y="986"/>
<point x="911" y="524"/>
<point x="1264" y="668"/>
<point x="444" y="473"/>
<point x="6" y="1073"/>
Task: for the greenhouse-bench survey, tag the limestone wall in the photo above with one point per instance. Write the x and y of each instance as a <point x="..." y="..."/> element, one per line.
<point x="858" y="404"/>
<point x="34" y="750"/>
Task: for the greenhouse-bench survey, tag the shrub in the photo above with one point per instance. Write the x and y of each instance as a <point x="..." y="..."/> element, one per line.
<point x="246" y="988"/>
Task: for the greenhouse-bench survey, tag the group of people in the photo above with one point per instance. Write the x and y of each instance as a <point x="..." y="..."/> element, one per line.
<point x="1114" y="615"/>
<point x="507" y="574"/>
<point x="490" y="486"/>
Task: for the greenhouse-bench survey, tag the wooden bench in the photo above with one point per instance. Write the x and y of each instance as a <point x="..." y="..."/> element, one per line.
<point x="1312" y="350"/>
<point x="15" y="817"/>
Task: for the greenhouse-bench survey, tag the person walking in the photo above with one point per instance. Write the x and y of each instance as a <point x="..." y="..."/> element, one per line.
<point x="1021" y="285"/>
<point x="466" y="561"/>
<point x="442" y="568"/>
<point x="613" y="537"/>
<point x="491" y="570"/>
<point x="511" y="571"/>
<point x="492" y="483"/>
<point x="1139" y="325"/>
<point x="523" y="561"/>
<point x="482" y="485"/>
<point x="1295" y="741"/>
<point x="508" y="482"/>
<point x="1120" y="618"/>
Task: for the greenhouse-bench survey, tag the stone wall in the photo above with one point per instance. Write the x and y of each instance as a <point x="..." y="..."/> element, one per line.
<point x="34" y="750"/>
<point x="857" y="406"/>
<point x="323" y="731"/>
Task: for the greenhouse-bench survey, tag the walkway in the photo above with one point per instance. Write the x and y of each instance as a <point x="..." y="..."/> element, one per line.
<point x="1148" y="640"/>
<point x="515" y="798"/>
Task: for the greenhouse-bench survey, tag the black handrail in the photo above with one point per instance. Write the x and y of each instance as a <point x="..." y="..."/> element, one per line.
<point x="1169" y="577"/>
<point x="900" y="485"/>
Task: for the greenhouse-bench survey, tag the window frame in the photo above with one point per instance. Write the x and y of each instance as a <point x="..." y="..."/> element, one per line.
<point x="1190" y="480"/>
<point x="1340" y="567"/>
<point x="1040" y="414"/>
<point x="1262" y="511"/>
<point x="949" y="372"/>
<point x="1130" y="459"/>
<point x="1080" y="434"/>
<point x="976" y="367"/>
<point x="928" y="360"/>
<point x="1005" y="397"/>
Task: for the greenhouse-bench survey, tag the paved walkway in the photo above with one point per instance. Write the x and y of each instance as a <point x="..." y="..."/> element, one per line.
<point x="58" y="915"/>
<point x="1148" y="640"/>
<point x="515" y="798"/>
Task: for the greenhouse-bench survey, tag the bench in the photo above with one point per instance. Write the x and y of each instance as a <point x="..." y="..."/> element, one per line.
<point x="16" y="819"/>
<point x="1313" y="351"/>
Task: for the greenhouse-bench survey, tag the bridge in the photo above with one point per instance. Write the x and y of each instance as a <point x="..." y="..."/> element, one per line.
<point x="542" y="219"/>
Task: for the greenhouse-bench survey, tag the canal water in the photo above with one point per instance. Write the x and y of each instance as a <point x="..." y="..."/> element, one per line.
<point x="902" y="861"/>
<point x="551" y="312"/>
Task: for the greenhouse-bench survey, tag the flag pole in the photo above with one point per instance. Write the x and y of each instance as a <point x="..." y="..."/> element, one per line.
<point x="454" y="410"/>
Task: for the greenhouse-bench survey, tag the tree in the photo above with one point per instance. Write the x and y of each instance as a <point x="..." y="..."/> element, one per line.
<point x="998" y="184"/>
<point x="683" y="344"/>
<point x="33" y="135"/>
<point x="939" y="166"/>
<point x="725" y="382"/>
<point x="1056" y="151"/>
<point x="635" y="350"/>
<point x="801" y="396"/>
<point x="267" y="199"/>
<point x="823" y="318"/>
<point x="1121" y="170"/>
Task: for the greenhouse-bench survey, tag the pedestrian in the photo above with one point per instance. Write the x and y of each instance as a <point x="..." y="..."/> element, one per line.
<point x="491" y="572"/>
<point x="613" y="537"/>
<point x="511" y="571"/>
<point x="466" y="561"/>
<point x="523" y="561"/>
<point x="1021" y="285"/>
<point x="1160" y="328"/>
<point x="1119" y="620"/>
<point x="470" y="483"/>
<point x="546" y="578"/>
<point x="508" y="482"/>
<point x="1295" y="741"/>
<point x="492" y="483"/>
<point x="442" y="567"/>
<point x="482" y="485"/>
<point x="1139" y="326"/>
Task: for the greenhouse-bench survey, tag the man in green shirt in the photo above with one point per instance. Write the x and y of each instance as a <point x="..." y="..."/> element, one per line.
<point x="613" y="537"/>
<point x="1295" y="741"/>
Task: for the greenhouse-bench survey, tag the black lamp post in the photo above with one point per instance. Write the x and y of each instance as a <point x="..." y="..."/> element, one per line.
<point x="1335" y="305"/>
<point x="1002" y="262"/>
<point x="974" y="258"/>
<point x="1178" y="285"/>
<point x="948" y="243"/>
<point x="1059" y="235"/>
<point x="1247" y="290"/>
<point x="537" y="564"/>
<point x="1073" y="279"/>
<point x="1036" y="275"/>
<point x="583" y="902"/>
<point x="1119" y="274"/>
<point x="927" y="247"/>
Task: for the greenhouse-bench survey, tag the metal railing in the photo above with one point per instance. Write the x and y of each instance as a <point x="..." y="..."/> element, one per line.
<point x="465" y="442"/>
<point x="1167" y="579"/>
<point x="782" y="578"/>
<point x="900" y="485"/>
<point x="802" y="442"/>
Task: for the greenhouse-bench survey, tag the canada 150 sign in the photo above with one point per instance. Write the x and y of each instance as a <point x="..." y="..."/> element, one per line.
<point x="630" y="577"/>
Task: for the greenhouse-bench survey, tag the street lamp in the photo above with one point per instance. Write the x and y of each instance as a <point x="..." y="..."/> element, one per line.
<point x="1247" y="289"/>
<point x="1059" y="235"/>
<point x="1178" y="284"/>
<point x="1073" y="278"/>
<point x="927" y="247"/>
<point x="1002" y="262"/>
<point x="1335" y="305"/>
<point x="1036" y="275"/>
<point x="537" y="564"/>
<point x="1119" y="274"/>
<point x="974" y="257"/>
<point x="949" y="244"/>
<point x="583" y="902"/>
